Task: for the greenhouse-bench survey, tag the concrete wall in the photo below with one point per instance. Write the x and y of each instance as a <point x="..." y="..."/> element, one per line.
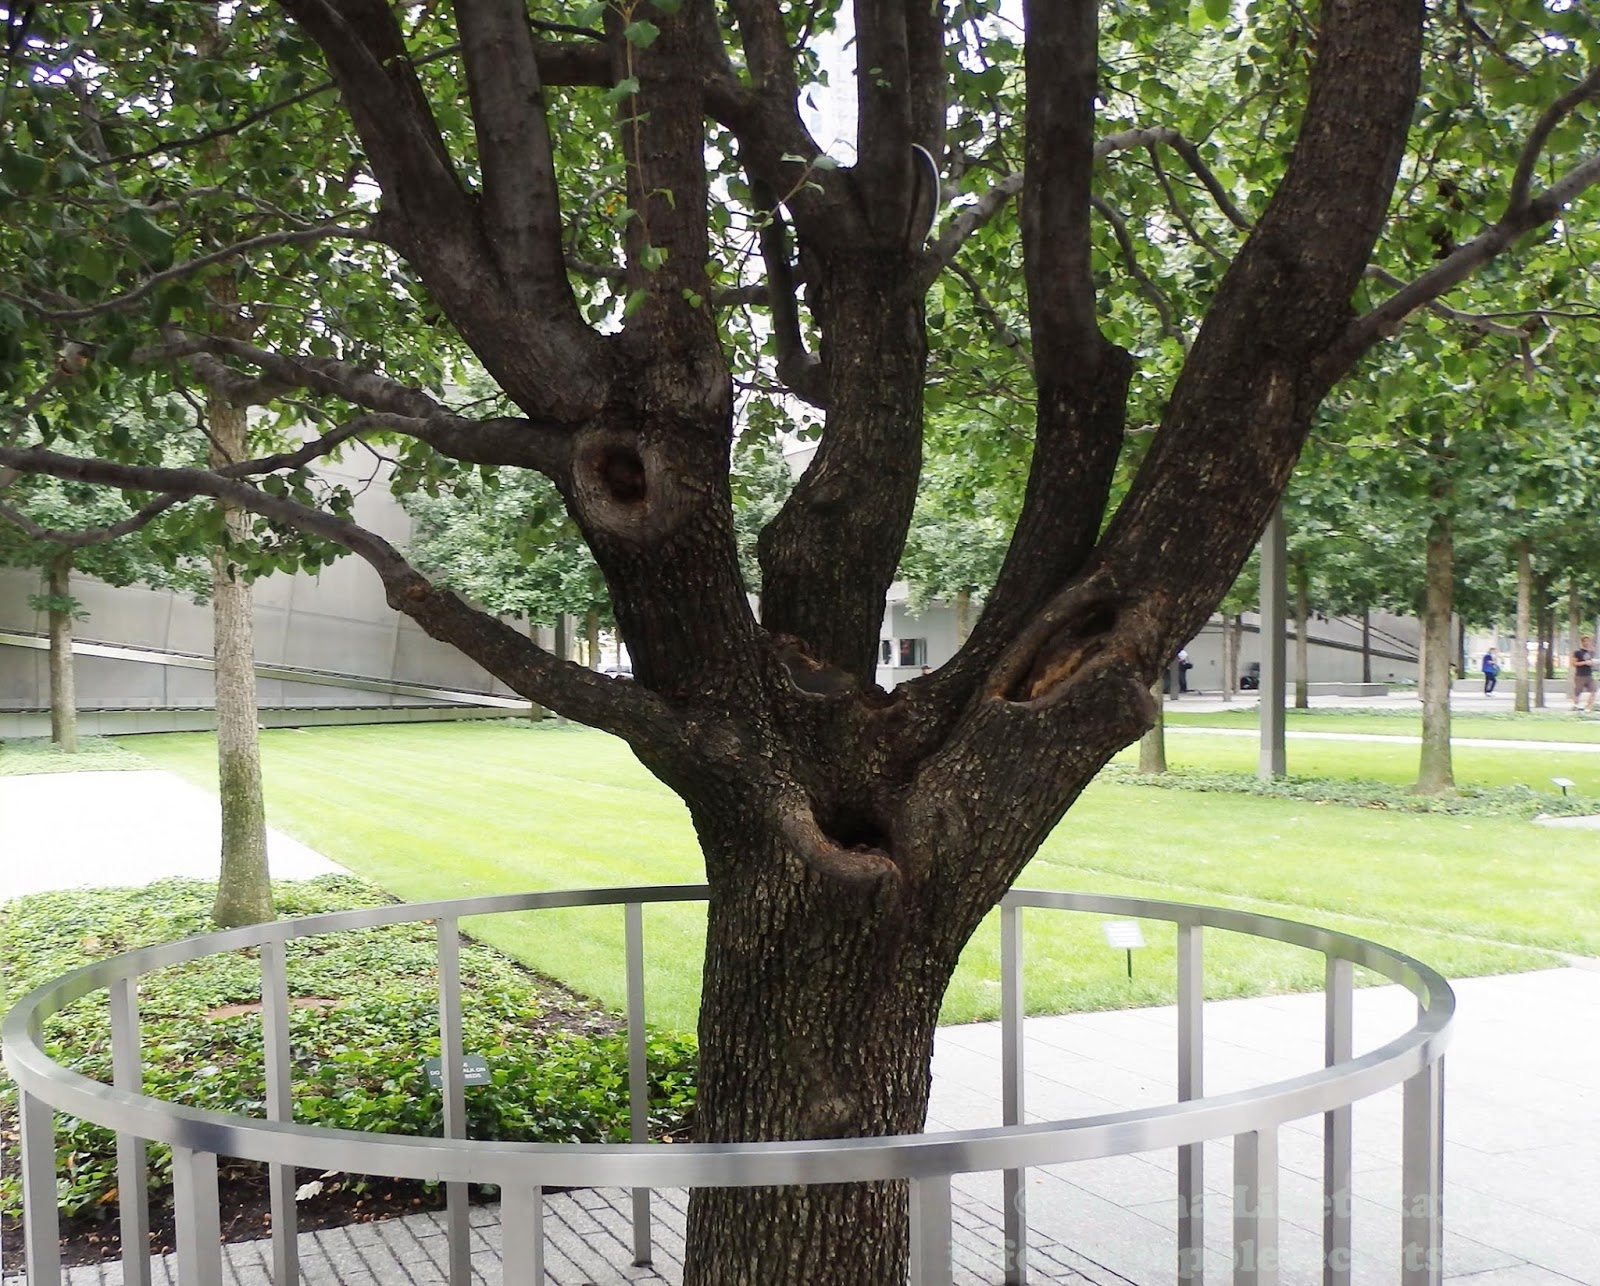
<point x="337" y="620"/>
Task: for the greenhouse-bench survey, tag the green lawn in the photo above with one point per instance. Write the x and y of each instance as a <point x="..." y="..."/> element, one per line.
<point x="1190" y="746"/>
<point x="457" y="809"/>
<point x="1557" y="723"/>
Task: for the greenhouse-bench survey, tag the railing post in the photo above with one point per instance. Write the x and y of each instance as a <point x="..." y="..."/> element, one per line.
<point x="453" y="1086"/>
<point x="1191" y="1085"/>
<point x="1255" y="1208"/>
<point x="280" y="1107"/>
<point x="1338" y="1047"/>
<point x="41" y="1217"/>
<point x="931" y="1260"/>
<point x="1422" y="1178"/>
<point x="199" y="1224"/>
<point x="522" y="1236"/>
<point x="1012" y="1009"/>
<point x="133" y="1181"/>
<point x="638" y="1072"/>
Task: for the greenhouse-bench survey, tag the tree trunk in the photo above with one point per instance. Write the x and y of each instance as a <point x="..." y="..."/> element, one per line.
<point x="1302" y="613"/>
<point x="536" y="712"/>
<point x="1574" y="627"/>
<point x="63" y="699"/>
<point x="244" y="888"/>
<point x="963" y="615"/>
<point x="591" y="638"/>
<point x="1153" y="745"/>
<point x="1546" y="627"/>
<point x="1230" y="658"/>
<point x="1519" y="649"/>
<point x="563" y="650"/>
<point x="1435" y="772"/>
<point x="1366" y="645"/>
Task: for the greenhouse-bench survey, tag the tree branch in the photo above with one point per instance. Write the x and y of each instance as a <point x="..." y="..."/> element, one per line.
<point x="69" y="538"/>
<point x="1552" y="116"/>
<point x="627" y="709"/>
<point x="1386" y="319"/>
<point x="119" y="303"/>
<point x="1147" y="286"/>
<point x="520" y="201"/>
<point x="800" y="370"/>
<point x="991" y="314"/>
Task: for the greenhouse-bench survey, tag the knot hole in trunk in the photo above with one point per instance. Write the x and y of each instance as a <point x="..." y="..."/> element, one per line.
<point x="1071" y="646"/>
<point x="623" y="475"/>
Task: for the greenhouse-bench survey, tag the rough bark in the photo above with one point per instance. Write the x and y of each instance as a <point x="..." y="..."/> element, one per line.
<point x="244" y="888"/>
<point x="1519" y="648"/>
<point x="63" y="698"/>
<point x="1435" y="772"/>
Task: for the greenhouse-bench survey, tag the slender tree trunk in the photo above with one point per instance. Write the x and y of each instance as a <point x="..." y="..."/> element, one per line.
<point x="1435" y="772"/>
<point x="1366" y="645"/>
<point x="963" y="615"/>
<point x="1574" y="628"/>
<point x="1230" y="657"/>
<point x="1546" y="626"/>
<point x="1153" y="745"/>
<point x="563" y="649"/>
<point x="1302" y="613"/>
<point x="244" y="888"/>
<point x="1519" y="649"/>
<point x="591" y="638"/>
<point x="63" y="698"/>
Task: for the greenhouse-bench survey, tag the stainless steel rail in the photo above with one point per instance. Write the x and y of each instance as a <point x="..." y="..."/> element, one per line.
<point x="1252" y="1118"/>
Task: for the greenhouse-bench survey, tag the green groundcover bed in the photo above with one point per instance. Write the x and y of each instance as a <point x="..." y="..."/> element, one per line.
<point x="363" y="1019"/>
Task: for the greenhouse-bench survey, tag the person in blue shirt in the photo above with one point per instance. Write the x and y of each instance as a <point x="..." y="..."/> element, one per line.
<point x="1491" y="671"/>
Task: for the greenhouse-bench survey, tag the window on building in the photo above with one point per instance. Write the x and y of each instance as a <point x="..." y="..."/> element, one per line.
<point x="886" y="652"/>
<point x="913" y="652"/>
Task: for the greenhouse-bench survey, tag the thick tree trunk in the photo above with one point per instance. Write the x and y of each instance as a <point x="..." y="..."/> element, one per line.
<point x="1435" y="772"/>
<point x="1302" y="613"/>
<point x="244" y="889"/>
<point x="817" y="1021"/>
<point x="1366" y="645"/>
<point x="63" y="698"/>
<point x="1153" y="745"/>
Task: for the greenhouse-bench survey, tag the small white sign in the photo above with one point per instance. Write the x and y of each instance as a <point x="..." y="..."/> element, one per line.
<point x="1124" y="934"/>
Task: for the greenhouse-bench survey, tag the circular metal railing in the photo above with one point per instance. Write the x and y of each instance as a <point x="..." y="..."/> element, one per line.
<point x="522" y="1170"/>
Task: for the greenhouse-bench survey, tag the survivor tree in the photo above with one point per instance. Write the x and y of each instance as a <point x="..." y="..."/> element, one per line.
<point x="1171" y="222"/>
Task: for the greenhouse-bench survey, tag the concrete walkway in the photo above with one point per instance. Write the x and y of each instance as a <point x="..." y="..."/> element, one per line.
<point x="1522" y="1122"/>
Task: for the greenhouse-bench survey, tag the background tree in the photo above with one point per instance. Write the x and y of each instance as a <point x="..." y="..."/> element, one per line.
<point x="43" y="523"/>
<point x="573" y="219"/>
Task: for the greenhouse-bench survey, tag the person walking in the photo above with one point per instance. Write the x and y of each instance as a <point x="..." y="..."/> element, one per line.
<point x="1583" y="673"/>
<point x="1491" y="672"/>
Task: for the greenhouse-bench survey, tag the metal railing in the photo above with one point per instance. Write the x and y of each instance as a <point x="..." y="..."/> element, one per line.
<point x="1251" y="1118"/>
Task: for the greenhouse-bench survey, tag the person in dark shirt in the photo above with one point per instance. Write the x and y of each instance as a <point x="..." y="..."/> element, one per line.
<point x="1491" y="671"/>
<point x="1583" y="672"/>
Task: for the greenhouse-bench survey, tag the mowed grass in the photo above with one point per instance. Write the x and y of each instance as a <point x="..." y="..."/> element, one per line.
<point x="1392" y="760"/>
<point x="1555" y="723"/>
<point x="453" y="810"/>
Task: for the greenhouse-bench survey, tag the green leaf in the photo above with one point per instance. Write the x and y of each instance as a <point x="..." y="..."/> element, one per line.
<point x="22" y="172"/>
<point x="641" y="33"/>
<point x="635" y="300"/>
<point x="154" y="243"/>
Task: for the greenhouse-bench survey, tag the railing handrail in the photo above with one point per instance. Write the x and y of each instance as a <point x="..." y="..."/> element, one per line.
<point x="741" y="1164"/>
